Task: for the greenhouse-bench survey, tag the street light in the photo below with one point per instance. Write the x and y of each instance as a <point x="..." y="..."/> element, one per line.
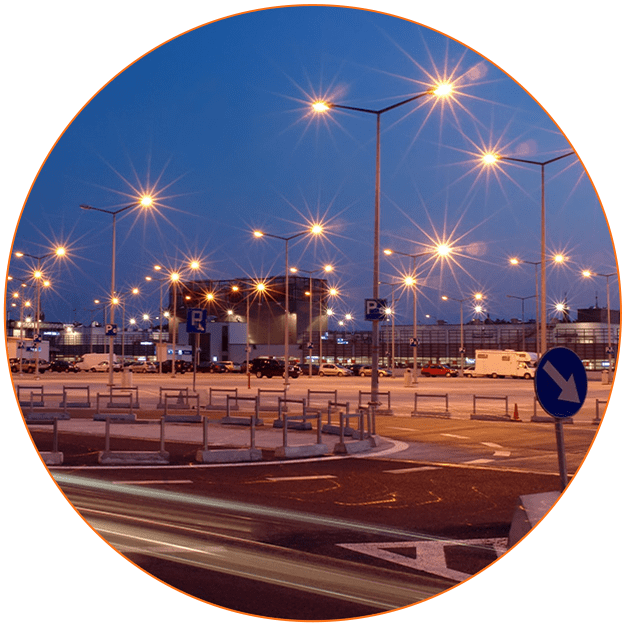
<point x="315" y="229"/>
<point x="522" y="312"/>
<point x="493" y="159"/>
<point x="144" y="202"/>
<point x="327" y="269"/>
<point x="475" y="296"/>
<point x="442" y="90"/>
<point x="557" y="258"/>
<point x="610" y="350"/>
<point x="37" y="275"/>
<point x="411" y="281"/>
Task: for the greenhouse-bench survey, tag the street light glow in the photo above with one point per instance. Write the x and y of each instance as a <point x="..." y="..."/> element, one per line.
<point x="146" y="201"/>
<point x="320" y="106"/>
<point x="443" y="249"/>
<point x="174" y="277"/>
<point x="258" y="234"/>
<point x="316" y="229"/>
<point x="443" y="90"/>
<point x="514" y="261"/>
<point x="489" y="158"/>
<point x="559" y="258"/>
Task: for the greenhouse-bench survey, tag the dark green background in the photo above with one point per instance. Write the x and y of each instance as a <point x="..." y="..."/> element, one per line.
<point x="57" y="55"/>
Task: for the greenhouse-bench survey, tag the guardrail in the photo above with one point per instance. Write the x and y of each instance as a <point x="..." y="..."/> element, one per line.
<point x="298" y="422"/>
<point x="220" y="393"/>
<point x="54" y="457"/>
<point x="270" y="393"/>
<point x="329" y="427"/>
<point x="379" y="409"/>
<point x="186" y="413"/>
<point x="111" y="395"/>
<point x="85" y="403"/>
<point x="109" y="456"/>
<point x="491" y="417"/>
<point x="431" y="413"/>
<point x="232" y="403"/>
<point x="183" y="395"/>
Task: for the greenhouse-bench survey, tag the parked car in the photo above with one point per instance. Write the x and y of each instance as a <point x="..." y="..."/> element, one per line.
<point x="103" y="367"/>
<point x="219" y="367"/>
<point x="63" y="366"/>
<point x="434" y="369"/>
<point x="28" y="365"/>
<point x="182" y="366"/>
<point x="366" y="371"/>
<point x="469" y="372"/>
<point x="143" y="367"/>
<point x="270" y="367"/>
<point x="329" y="368"/>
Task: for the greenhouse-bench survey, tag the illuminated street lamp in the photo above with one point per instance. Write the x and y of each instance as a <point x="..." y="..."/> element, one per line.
<point x="493" y="159"/>
<point x="315" y="229"/>
<point x="37" y="276"/>
<point x="610" y="350"/>
<point x="475" y="296"/>
<point x="442" y="90"/>
<point x="327" y="269"/>
<point x="541" y="347"/>
<point x="411" y="281"/>
<point x="144" y="202"/>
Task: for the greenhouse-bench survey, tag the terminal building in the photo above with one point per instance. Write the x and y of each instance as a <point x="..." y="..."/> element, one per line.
<point x="234" y="306"/>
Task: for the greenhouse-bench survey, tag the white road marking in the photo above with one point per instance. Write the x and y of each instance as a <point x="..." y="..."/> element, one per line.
<point x="429" y="554"/>
<point x="455" y="436"/>
<point x="503" y="454"/>
<point x="395" y="427"/>
<point x="144" y="482"/>
<point x="410" y="469"/>
<point x="492" y="445"/>
<point x="480" y="461"/>
<point x="297" y="478"/>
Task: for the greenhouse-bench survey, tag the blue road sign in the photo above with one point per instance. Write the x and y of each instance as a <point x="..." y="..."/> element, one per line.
<point x="561" y="382"/>
<point x="375" y="309"/>
<point x="197" y="321"/>
<point x="110" y="329"/>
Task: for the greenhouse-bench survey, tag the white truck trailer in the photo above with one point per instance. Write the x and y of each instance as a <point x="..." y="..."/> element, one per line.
<point x="499" y="363"/>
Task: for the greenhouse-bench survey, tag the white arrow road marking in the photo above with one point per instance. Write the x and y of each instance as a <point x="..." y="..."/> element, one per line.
<point x="569" y="388"/>
<point x="429" y="554"/>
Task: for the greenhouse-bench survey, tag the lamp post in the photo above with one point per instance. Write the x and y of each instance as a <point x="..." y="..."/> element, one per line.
<point x="144" y="202"/>
<point x="327" y="269"/>
<point x="440" y="91"/>
<point x="610" y="350"/>
<point x="391" y="312"/>
<point x="411" y="281"/>
<point x="475" y="296"/>
<point x="316" y="229"/>
<point x="541" y="347"/>
<point x="522" y="312"/>
<point x="39" y="280"/>
<point x="494" y="158"/>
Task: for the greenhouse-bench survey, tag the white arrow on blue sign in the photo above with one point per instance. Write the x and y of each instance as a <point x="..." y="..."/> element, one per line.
<point x="561" y="382"/>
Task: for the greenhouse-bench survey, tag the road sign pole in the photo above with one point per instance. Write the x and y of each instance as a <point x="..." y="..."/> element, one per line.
<point x="564" y="478"/>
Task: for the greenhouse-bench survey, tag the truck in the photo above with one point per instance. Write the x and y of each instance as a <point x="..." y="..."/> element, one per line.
<point x="499" y="363"/>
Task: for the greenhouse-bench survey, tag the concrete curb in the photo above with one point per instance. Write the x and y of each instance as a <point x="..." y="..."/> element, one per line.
<point x="209" y="456"/>
<point x="133" y="457"/>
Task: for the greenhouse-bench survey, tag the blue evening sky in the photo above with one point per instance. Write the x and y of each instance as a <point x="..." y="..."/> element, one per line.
<point x="218" y="123"/>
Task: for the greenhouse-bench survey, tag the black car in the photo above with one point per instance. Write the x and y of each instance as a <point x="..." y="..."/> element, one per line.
<point x="270" y="367"/>
<point x="63" y="366"/>
<point x="182" y="366"/>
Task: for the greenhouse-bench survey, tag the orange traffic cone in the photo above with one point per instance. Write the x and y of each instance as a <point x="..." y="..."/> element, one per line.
<point x="515" y="415"/>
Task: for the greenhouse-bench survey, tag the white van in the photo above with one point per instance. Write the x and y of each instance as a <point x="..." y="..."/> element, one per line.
<point x="89" y="362"/>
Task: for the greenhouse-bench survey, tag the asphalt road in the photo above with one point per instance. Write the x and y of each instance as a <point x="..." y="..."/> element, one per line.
<point x="305" y="540"/>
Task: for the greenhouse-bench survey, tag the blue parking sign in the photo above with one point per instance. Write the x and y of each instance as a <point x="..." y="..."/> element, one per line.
<point x="561" y="382"/>
<point x="197" y="319"/>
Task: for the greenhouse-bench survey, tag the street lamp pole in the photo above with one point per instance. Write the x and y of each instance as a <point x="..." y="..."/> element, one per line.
<point x="145" y="202"/>
<point x="475" y="296"/>
<point x="315" y="229"/>
<point x="522" y="312"/>
<point x="441" y="91"/>
<point x="493" y="158"/>
<point x="586" y="273"/>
